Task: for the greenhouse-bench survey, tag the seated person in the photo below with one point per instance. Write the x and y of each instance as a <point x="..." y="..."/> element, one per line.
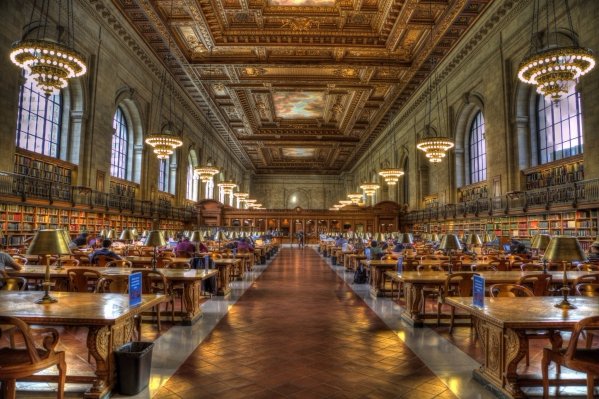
<point x="593" y="254"/>
<point x="376" y="252"/>
<point x="244" y="244"/>
<point x="79" y="241"/>
<point x="184" y="245"/>
<point x="105" y="251"/>
<point x="6" y="261"/>
<point x="202" y="248"/>
<point x="516" y="247"/>
<point x="398" y="247"/>
<point x="95" y="242"/>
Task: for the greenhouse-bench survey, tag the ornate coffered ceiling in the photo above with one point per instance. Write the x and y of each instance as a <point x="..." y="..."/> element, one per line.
<point x="300" y="86"/>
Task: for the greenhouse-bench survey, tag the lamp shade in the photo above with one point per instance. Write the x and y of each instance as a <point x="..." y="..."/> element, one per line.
<point x="435" y="237"/>
<point x="220" y="236"/>
<point x="406" y="238"/>
<point x="134" y="233"/>
<point x="126" y="235"/>
<point x="379" y="237"/>
<point x="234" y="235"/>
<point x="474" y="239"/>
<point x="540" y="241"/>
<point x="564" y="249"/>
<point x="110" y="233"/>
<point x="207" y="235"/>
<point x="450" y="241"/>
<point x="155" y="239"/>
<point x="144" y="233"/>
<point x="49" y="242"/>
<point x="487" y="238"/>
<point x="196" y="236"/>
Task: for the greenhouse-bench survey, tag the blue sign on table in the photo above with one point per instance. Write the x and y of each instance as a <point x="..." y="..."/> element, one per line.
<point x="367" y="253"/>
<point x="135" y="289"/>
<point x="400" y="265"/>
<point x="478" y="291"/>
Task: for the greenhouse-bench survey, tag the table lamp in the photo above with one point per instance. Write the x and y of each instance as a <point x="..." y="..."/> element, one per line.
<point x="474" y="240"/>
<point x="379" y="237"/>
<point x="220" y="236"/>
<point x="435" y="237"/>
<point x="48" y="242"/>
<point x="110" y="234"/>
<point x="134" y="233"/>
<point x="564" y="249"/>
<point x="103" y="233"/>
<point x="144" y="234"/>
<point x="406" y="238"/>
<point x="127" y="235"/>
<point x="540" y="243"/>
<point x="196" y="238"/>
<point x="154" y="239"/>
<point x="450" y="242"/>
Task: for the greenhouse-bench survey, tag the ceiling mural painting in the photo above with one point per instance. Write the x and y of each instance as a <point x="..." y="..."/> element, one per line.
<point x="298" y="105"/>
<point x="300" y="86"/>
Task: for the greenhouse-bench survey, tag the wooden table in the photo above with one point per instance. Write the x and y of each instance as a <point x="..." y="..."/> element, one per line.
<point x="146" y="261"/>
<point x="414" y="282"/>
<point x="108" y="317"/>
<point x="354" y="259"/>
<point x="191" y="280"/>
<point x="224" y="274"/>
<point x="378" y="268"/>
<point x="501" y="327"/>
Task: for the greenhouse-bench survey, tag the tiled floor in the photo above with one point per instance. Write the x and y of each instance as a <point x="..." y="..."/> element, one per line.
<point x="300" y="328"/>
<point x="301" y="332"/>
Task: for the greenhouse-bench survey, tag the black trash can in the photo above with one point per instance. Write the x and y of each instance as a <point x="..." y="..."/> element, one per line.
<point x="133" y="365"/>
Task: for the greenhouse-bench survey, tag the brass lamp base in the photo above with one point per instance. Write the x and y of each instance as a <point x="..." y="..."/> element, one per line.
<point x="565" y="304"/>
<point x="47" y="298"/>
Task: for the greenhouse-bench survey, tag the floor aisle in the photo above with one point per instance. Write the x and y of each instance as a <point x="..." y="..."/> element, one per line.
<point x="300" y="332"/>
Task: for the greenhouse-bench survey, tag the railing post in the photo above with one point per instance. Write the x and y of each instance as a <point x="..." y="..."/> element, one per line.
<point x="575" y="202"/>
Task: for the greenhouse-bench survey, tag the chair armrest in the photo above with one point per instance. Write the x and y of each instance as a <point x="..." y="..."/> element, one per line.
<point x="50" y="338"/>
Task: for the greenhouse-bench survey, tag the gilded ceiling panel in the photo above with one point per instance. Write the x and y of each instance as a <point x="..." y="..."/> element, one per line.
<point x="301" y="85"/>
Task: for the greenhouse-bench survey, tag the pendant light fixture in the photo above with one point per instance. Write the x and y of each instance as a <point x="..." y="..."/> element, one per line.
<point x="435" y="147"/>
<point x="165" y="142"/>
<point x="552" y="66"/>
<point x="355" y="197"/>
<point x="46" y="53"/>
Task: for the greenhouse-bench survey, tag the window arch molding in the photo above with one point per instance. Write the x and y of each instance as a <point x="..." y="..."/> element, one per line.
<point x="473" y="104"/>
<point x="126" y="99"/>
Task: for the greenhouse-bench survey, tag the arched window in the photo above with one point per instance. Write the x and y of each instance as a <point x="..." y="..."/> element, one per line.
<point x="192" y="184"/>
<point x="478" y="149"/>
<point x="39" y="121"/>
<point x="120" y="145"/>
<point x="559" y="127"/>
<point x="163" y="175"/>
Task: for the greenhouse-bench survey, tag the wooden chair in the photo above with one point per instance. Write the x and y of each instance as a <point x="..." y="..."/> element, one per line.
<point x="154" y="282"/>
<point x="499" y="264"/>
<point x="588" y="267"/>
<point x="11" y="284"/>
<point x="102" y="260"/>
<point x="16" y="363"/>
<point x="83" y="280"/>
<point x="582" y="360"/>
<point x="483" y="268"/>
<point x="538" y="283"/>
<point x="531" y="267"/>
<point x="21" y="260"/>
<point x="69" y="262"/>
<point x="116" y="284"/>
<point x="183" y="254"/>
<point x="592" y="278"/>
<point x="163" y="262"/>
<point x="83" y="259"/>
<point x="591" y="290"/>
<point x="509" y="291"/>
<point x="456" y="285"/>
<point x="119" y="263"/>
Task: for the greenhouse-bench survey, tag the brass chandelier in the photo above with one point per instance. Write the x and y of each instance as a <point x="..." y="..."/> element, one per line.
<point x="554" y="67"/>
<point x="48" y="62"/>
<point x="355" y="197"/>
<point x="164" y="144"/>
<point x="369" y="188"/>
<point x="391" y="175"/>
<point x="227" y="186"/>
<point x="206" y="173"/>
<point x="435" y="148"/>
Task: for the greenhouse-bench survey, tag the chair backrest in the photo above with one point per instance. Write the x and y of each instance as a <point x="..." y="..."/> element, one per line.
<point x="119" y="263"/>
<point x="429" y="268"/>
<point x="69" y="262"/>
<point x="459" y="284"/>
<point x="589" y="278"/>
<point x="483" y="268"/>
<point x="153" y="281"/>
<point x="498" y="264"/>
<point x="509" y="290"/>
<point x="178" y="265"/>
<point x="21" y="260"/>
<point x="13" y="283"/>
<point x="588" y="267"/>
<point x="102" y="260"/>
<point x="526" y="267"/>
<point x="587" y="289"/>
<point x="110" y="284"/>
<point x="83" y="280"/>
<point x="34" y="354"/>
<point x="538" y="283"/>
<point x="163" y="262"/>
<point x="578" y="328"/>
<point x="165" y="254"/>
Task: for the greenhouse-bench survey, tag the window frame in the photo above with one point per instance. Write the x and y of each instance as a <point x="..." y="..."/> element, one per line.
<point x="57" y="103"/>
<point x="477" y="149"/>
<point x="120" y="150"/>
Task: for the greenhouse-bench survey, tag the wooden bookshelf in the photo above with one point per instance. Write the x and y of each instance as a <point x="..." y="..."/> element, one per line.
<point x="123" y="188"/>
<point x="28" y="163"/>
<point x="473" y="192"/>
<point x="569" y="170"/>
